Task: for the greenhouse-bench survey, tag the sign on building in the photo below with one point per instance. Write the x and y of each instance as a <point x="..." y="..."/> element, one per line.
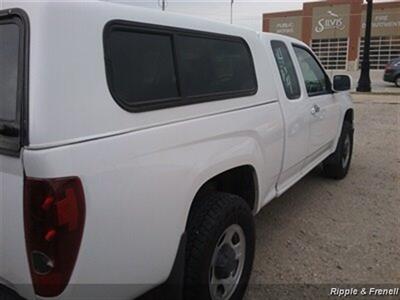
<point x="330" y="21"/>
<point x="291" y="26"/>
<point x="385" y="22"/>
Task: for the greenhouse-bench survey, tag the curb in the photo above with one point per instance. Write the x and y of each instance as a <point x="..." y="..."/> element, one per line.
<point x="376" y="93"/>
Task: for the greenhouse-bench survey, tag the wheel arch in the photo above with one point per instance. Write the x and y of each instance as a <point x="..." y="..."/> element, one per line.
<point x="349" y="116"/>
<point x="241" y="180"/>
<point x="222" y="181"/>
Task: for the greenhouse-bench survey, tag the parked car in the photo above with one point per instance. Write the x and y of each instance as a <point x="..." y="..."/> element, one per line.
<point x="136" y="147"/>
<point x="392" y="72"/>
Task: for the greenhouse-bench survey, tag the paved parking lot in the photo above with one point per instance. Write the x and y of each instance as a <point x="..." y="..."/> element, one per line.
<point x="331" y="232"/>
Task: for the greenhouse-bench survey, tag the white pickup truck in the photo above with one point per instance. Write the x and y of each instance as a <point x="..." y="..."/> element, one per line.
<point x="136" y="147"/>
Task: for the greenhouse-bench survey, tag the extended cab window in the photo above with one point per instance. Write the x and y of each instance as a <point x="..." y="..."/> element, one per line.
<point x="286" y="69"/>
<point x="12" y="83"/>
<point x="151" y="67"/>
<point x="316" y="81"/>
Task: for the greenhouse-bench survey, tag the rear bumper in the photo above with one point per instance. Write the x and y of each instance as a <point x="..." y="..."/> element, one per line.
<point x="391" y="75"/>
<point x="388" y="77"/>
<point x="8" y="294"/>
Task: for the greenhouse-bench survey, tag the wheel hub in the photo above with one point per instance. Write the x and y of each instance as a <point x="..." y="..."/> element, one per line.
<point x="346" y="152"/>
<point x="226" y="262"/>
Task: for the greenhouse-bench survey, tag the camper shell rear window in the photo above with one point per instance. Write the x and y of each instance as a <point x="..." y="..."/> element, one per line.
<point x="13" y="81"/>
<point x="153" y="67"/>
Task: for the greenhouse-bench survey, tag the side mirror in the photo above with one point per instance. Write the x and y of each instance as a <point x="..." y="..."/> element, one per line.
<point x="341" y="83"/>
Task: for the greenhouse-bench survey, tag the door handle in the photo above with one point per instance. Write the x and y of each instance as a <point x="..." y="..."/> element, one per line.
<point x="315" y="109"/>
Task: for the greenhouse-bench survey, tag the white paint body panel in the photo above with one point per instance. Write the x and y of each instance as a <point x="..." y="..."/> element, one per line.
<point x="141" y="171"/>
<point x="14" y="268"/>
<point x="138" y="189"/>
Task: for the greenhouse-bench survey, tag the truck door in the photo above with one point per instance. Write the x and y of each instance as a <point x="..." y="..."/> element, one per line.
<point x="324" y="107"/>
<point x="295" y="112"/>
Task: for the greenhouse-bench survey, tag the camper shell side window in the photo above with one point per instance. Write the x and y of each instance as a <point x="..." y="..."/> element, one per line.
<point x="153" y="67"/>
<point x="14" y="27"/>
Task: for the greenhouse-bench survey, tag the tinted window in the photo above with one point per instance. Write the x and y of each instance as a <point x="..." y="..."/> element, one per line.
<point x="151" y="66"/>
<point x="141" y="66"/>
<point x="286" y="69"/>
<point x="9" y="49"/>
<point x="212" y="66"/>
<point x="315" y="79"/>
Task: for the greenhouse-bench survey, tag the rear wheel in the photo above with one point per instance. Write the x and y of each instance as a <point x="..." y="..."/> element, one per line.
<point x="397" y="81"/>
<point x="220" y="248"/>
<point x="337" y="165"/>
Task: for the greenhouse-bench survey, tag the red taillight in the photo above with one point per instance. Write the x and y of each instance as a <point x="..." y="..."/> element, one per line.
<point x="54" y="213"/>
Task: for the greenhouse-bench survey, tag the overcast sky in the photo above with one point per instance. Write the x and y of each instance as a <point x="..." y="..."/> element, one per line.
<point x="246" y="12"/>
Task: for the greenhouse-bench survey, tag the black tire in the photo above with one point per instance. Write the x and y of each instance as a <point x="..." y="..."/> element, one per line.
<point x="7" y="294"/>
<point x="212" y="215"/>
<point x="334" y="166"/>
<point x="397" y="81"/>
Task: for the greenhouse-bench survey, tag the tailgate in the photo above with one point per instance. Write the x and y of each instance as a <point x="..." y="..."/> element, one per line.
<point x="14" y="269"/>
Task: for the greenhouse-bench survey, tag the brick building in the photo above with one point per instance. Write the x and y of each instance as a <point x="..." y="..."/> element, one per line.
<point x="335" y="28"/>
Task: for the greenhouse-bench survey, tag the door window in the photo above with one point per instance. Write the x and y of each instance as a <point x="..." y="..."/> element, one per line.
<point x="316" y="81"/>
<point x="286" y="70"/>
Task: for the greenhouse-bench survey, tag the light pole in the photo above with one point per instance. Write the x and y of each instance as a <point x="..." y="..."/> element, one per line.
<point x="162" y="4"/>
<point x="364" y="83"/>
<point x="232" y="11"/>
